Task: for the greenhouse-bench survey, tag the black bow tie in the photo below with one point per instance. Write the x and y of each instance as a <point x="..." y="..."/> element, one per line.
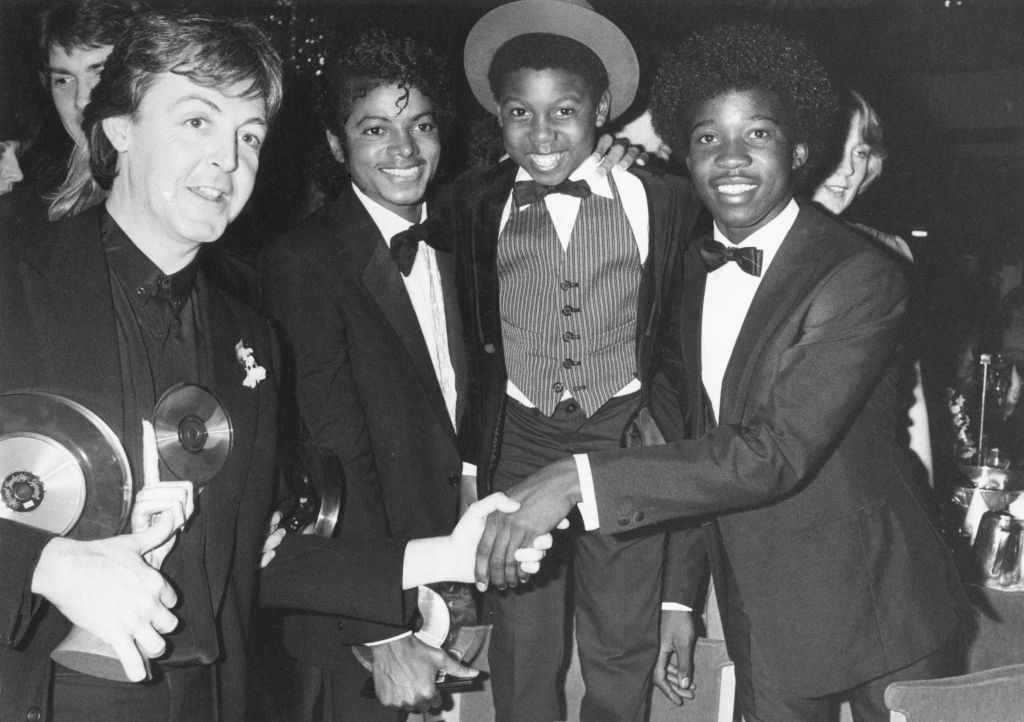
<point x="715" y="255"/>
<point x="405" y="243"/>
<point x="526" y="192"/>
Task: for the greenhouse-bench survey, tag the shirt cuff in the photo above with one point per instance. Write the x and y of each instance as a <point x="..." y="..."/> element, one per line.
<point x="388" y="640"/>
<point x="675" y="607"/>
<point x="588" y="506"/>
<point x="468" y="469"/>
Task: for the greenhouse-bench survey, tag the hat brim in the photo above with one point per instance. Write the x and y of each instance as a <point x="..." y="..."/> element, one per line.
<point x="558" y="18"/>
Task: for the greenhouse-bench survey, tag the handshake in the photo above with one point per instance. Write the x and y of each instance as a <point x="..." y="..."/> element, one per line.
<point x="500" y="540"/>
<point x="513" y="531"/>
<point x="453" y="558"/>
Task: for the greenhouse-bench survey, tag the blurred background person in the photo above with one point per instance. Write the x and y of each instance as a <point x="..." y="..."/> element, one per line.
<point x="864" y="152"/>
<point x="19" y="126"/>
<point x="19" y="129"/>
<point x="74" y="39"/>
<point x="1013" y="327"/>
<point x="860" y="165"/>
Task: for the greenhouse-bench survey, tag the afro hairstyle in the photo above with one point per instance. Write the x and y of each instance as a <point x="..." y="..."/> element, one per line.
<point x="747" y="56"/>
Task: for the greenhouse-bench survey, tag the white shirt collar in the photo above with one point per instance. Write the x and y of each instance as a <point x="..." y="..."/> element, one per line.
<point x="387" y="221"/>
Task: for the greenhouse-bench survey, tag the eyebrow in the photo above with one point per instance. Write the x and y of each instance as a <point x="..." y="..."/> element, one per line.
<point x="258" y="119"/>
<point x="391" y="119"/>
<point x="57" y="70"/>
<point x="711" y="121"/>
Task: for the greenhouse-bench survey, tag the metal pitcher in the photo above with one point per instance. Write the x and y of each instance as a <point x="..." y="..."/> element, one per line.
<point x="995" y="545"/>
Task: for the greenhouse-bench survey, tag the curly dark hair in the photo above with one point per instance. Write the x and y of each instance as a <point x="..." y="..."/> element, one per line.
<point x="543" y="51"/>
<point x="747" y="56"/>
<point x="379" y="57"/>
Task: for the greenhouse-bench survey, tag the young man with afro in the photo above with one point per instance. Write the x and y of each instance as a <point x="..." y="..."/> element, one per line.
<point x="832" y="580"/>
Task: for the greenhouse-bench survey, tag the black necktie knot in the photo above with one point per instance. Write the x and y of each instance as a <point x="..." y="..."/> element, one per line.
<point x="715" y="255"/>
<point x="405" y="243"/>
<point x="526" y="192"/>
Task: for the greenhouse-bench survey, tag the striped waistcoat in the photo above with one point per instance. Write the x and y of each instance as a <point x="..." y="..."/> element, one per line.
<point x="568" y="318"/>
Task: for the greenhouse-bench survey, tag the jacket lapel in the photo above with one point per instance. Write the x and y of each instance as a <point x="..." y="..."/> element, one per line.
<point x="694" y="280"/>
<point x="365" y="248"/>
<point x="485" y="205"/>
<point x="661" y="250"/>
<point x="453" y="321"/>
<point x="221" y="496"/>
<point x="68" y="293"/>
<point x="782" y="289"/>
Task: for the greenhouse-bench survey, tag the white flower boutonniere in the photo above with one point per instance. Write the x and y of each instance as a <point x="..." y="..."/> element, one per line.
<point x="254" y="373"/>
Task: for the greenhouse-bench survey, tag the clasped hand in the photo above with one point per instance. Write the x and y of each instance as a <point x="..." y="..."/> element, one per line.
<point x="545" y="499"/>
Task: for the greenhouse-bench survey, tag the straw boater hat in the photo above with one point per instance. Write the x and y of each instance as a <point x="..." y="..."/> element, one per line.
<point x="574" y="19"/>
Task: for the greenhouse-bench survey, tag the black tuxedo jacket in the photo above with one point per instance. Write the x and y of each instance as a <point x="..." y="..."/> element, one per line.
<point x="57" y="322"/>
<point x="367" y="390"/>
<point x="819" y="508"/>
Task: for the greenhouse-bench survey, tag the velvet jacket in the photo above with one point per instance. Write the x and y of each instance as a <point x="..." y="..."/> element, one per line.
<point x="478" y="200"/>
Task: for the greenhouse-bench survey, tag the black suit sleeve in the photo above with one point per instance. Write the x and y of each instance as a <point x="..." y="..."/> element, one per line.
<point x="347" y="575"/>
<point x="21" y="546"/>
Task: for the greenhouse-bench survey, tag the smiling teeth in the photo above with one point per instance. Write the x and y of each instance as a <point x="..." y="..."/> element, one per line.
<point x="404" y="173"/>
<point x="735" y="188"/>
<point x="545" y="162"/>
<point x="212" y="194"/>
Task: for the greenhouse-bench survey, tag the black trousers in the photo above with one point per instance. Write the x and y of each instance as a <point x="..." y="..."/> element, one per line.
<point x="175" y="694"/>
<point x="612" y="584"/>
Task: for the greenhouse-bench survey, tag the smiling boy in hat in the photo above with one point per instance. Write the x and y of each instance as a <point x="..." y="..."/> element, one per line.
<point x="564" y="272"/>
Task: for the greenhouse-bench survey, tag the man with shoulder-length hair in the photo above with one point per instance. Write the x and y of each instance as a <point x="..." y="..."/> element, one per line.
<point x="73" y="40"/>
<point x="110" y="309"/>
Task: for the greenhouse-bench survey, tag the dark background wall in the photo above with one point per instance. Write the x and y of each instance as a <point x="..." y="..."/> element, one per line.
<point x="946" y="75"/>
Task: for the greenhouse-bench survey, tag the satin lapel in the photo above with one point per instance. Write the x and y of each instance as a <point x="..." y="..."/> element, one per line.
<point x="694" y="280"/>
<point x="222" y="495"/>
<point x="661" y="250"/>
<point x="782" y="289"/>
<point x="383" y="282"/>
<point x="486" y="206"/>
<point x="69" y="297"/>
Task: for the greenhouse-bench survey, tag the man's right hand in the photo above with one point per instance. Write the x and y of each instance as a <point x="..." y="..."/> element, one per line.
<point x="107" y="588"/>
<point x="405" y="673"/>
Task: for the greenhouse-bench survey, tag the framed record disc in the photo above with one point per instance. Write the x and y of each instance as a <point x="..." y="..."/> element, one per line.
<point x="62" y="469"/>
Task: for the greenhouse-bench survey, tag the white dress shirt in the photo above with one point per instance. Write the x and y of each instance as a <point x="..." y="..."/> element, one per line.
<point x="727" y="296"/>
<point x="423" y="285"/>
